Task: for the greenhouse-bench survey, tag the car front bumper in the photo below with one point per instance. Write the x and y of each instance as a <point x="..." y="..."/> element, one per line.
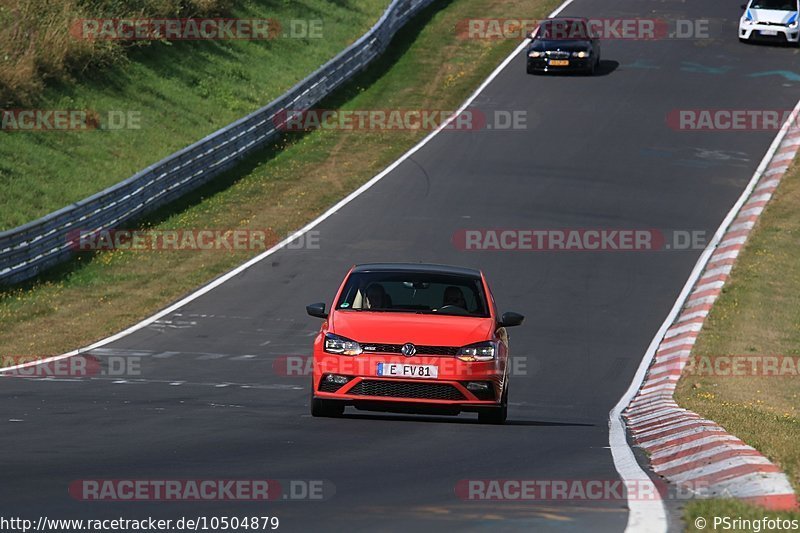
<point x="367" y="389"/>
<point x="544" y="64"/>
<point x="756" y="31"/>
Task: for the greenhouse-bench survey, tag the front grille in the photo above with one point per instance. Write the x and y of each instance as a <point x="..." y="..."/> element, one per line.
<point x="557" y="54"/>
<point x="781" y="37"/>
<point x="437" y="350"/>
<point x="421" y="350"/>
<point x="404" y="389"/>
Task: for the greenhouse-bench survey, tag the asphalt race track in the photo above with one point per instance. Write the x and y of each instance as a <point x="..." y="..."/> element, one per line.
<point x="212" y="403"/>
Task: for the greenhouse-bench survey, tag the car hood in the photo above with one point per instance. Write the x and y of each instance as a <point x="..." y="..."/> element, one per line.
<point x="399" y="328"/>
<point x="773" y="15"/>
<point x="565" y="46"/>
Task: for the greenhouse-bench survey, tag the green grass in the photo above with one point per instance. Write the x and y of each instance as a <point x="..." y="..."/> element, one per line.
<point x="282" y="187"/>
<point x="37" y="46"/>
<point x="758" y="313"/>
<point x="181" y="92"/>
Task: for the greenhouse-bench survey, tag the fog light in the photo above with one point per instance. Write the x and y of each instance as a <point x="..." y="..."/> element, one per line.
<point x="478" y="386"/>
<point x="338" y="380"/>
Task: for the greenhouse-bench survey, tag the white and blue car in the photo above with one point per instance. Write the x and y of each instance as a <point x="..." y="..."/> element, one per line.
<point x="770" y="20"/>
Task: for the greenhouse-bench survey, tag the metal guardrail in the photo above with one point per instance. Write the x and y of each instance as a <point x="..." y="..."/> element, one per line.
<point x="29" y="249"/>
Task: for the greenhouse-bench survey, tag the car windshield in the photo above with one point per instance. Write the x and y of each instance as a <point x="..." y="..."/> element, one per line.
<point x="781" y="5"/>
<point x="414" y="292"/>
<point x="563" y="30"/>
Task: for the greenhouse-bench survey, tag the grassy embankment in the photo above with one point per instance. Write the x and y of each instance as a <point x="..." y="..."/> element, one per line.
<point x="427" y="67"/>
<point x="175" y="93"/>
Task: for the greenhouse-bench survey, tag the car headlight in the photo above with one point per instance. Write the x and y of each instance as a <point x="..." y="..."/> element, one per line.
<point x="340" y="345"/>
<point x="582" y="54"/>
<point x="748" y="17"/>
<point x="536" y="53"/>
<point x="793" y="24"/>
<point x="481" y="351"/>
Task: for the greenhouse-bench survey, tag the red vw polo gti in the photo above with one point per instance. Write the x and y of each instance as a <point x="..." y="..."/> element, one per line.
<point x="412" y="338"/>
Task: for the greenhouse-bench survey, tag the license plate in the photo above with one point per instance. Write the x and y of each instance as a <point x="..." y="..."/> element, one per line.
<point x="769" y="32"/>
<point x="559" y="62"/>
<point x="402" y="370"/>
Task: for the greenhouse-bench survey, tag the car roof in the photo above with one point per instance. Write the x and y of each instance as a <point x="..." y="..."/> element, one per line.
<point x="428" y="268"/>
<point x="565" y="20"/>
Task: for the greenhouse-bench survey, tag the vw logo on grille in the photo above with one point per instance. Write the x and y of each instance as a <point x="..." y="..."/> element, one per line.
<point x="408" y="349"/>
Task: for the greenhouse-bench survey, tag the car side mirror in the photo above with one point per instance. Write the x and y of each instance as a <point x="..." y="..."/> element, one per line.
<point x="317" y="310"/>
<point x="511" y="319"/>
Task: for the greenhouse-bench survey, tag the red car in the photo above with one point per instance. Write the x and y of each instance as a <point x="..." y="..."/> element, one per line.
<point x="412" y="338"/>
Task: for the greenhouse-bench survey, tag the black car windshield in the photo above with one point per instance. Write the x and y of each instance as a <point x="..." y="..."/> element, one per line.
<point x="563" y="30"/>
<point x="782" y="5"/>
<point x="414" y="292"/>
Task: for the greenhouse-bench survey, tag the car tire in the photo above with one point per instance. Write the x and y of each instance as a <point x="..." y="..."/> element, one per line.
<point x="495" y="415"/>
<point x="326" y="408"/>
<point x="530" y="70"/>
<point x="593" y="69"/>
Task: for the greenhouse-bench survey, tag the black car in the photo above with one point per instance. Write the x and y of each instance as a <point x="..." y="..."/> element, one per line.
<point x="562" y="45"/>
